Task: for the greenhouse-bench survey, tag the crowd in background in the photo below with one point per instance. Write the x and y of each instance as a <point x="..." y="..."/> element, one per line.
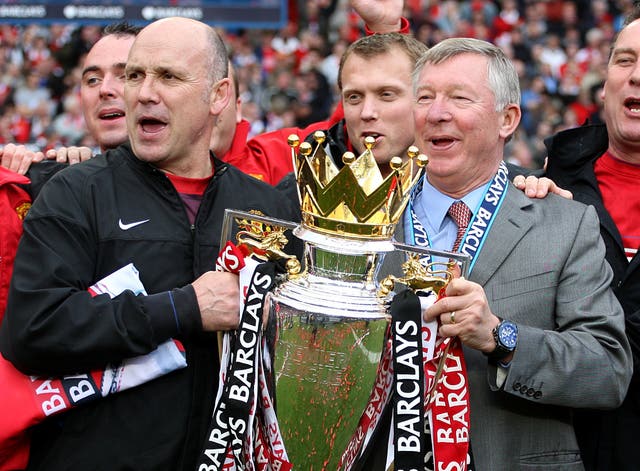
<point x="288" y="77"/>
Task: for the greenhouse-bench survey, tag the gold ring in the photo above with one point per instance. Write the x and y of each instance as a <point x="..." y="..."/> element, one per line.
<point x="452" y="317"/>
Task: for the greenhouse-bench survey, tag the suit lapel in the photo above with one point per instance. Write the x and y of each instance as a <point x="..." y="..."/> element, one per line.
<point x="510" y="225"/>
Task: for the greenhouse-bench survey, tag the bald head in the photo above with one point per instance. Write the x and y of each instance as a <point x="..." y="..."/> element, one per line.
<point x="176" y="29"/>
<point x="176" y="87"/>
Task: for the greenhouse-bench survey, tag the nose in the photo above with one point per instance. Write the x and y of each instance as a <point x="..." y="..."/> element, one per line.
<point x="111" y="86"/>
<point x="634" y="78"/>
<point x="147" y="90"/>
<point x="369" y="109"/>
<point x="438" y="110"/>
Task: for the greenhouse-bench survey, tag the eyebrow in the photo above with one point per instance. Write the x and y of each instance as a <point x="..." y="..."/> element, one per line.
<point x="95" y="68"/>
<point x="624" y="50"/>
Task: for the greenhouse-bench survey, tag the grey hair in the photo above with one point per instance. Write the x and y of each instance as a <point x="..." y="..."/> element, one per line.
<point x="217" y="59"/>
<point x="501" y="73"/>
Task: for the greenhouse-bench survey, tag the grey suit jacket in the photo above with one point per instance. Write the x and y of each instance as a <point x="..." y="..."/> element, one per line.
<point x="543" y="267"/>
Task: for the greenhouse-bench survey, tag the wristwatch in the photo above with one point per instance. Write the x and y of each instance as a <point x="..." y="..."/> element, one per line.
<point x="505" y="335"/>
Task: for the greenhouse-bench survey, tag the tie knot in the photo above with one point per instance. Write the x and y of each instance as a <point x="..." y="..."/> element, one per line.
<point x="460" y="213"/>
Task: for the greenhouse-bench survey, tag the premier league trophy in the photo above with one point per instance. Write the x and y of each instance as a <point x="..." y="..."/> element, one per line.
<point x="328" y="322"/>
<point x="328" y="326"/>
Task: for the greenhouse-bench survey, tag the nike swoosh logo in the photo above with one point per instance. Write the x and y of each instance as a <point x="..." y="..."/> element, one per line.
<point x="126" y="227"/>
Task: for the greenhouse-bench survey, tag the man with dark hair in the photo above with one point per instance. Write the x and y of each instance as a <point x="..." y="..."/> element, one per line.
<point x="102" y="83"/>
<point x="600" y="164"/>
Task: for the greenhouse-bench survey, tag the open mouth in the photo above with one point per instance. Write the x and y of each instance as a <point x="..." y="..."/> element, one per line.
<point x="152" y="125"/>
<point x="632" y="104"/>
<point x="441" y="141"/>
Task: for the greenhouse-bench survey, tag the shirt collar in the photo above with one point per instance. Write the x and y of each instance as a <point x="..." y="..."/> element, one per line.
<point x="435" y="205"/>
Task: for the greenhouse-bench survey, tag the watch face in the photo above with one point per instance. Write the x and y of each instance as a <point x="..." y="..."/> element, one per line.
<point x="508" y="334"/>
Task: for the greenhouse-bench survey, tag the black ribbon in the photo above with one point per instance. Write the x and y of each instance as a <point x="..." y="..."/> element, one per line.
<point x="408" y="392"/>
<point x="230" y="420"/>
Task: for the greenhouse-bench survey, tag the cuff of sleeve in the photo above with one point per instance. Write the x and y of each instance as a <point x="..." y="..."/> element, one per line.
<point x="501" y="374"/>
<point x="404" y="27"/>
<point x="173" y="313"/>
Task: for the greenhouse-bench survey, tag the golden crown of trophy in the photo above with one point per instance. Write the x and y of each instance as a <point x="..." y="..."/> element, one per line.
<point x="328" y="322"/>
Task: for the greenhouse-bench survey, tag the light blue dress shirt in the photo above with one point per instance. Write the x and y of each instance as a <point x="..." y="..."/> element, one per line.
<point x="431" y="208"/>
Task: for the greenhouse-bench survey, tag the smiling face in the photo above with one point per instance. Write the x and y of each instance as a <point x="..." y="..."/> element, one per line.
<point x="622" y="95"/>
<point x="171" y="98"/>
<point x="377" y="97"/>
<point x="102" y="90"/>
<point x="457" y="125"/>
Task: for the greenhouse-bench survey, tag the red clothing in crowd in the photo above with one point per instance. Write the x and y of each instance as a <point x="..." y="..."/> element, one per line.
<point x="14" y="204"/>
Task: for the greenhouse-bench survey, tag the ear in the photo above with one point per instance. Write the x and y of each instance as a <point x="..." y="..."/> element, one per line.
<point x="510" y="119"/>
<point x="238" y="110"/>
<point x="220" y="95"/>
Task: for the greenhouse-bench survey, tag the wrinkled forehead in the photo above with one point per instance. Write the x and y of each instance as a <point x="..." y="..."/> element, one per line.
<point x="166" y="51"/>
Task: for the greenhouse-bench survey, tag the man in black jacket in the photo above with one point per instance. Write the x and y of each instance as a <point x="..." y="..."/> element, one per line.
<point x="158" y="203"/>
<point x="601" y="165"/>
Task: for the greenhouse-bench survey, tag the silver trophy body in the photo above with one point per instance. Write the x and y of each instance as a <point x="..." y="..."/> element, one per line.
<point x="326" y="333"/>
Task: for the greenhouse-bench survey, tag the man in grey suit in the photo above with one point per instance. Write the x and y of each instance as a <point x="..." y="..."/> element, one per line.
<point x="541" y="331"/>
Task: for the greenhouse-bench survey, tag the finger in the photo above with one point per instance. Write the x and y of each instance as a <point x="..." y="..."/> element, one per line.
<point x="438" y="309"/>
<point x="546" y="186"/>
<point x="85" y="153"/>
<point x="25" y="162"/>
<point x="455" y="270"/>
<point x="51" y="154"/>
<point x="61" y="155"/>
<point x="457" y="287"/>
<point x="565" y="193"/>
<point x="562" y="192"/>
<point x="519" y="182"/>
<point x="21" y="160"/>
<point x="73" y="155"/>
<point x="532" y="186"/>
<point x="451" y="319"/>
<point x="446" y="328"/>
<point x="38" y="156"/>
<point x="7" y="156"/>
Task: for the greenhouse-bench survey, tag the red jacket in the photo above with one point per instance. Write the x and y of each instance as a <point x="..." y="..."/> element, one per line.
<point x="14" y="204"/>
<point x="267" y="156"/>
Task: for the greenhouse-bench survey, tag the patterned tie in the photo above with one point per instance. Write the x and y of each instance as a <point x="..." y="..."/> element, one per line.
<point x="461" y="214"/>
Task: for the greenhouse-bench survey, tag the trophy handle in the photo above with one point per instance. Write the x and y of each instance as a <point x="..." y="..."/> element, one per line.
<point x="422" y="273"/>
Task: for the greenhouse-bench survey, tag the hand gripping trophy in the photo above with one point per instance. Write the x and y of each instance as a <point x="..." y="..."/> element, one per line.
<point x="321" y="373"/>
